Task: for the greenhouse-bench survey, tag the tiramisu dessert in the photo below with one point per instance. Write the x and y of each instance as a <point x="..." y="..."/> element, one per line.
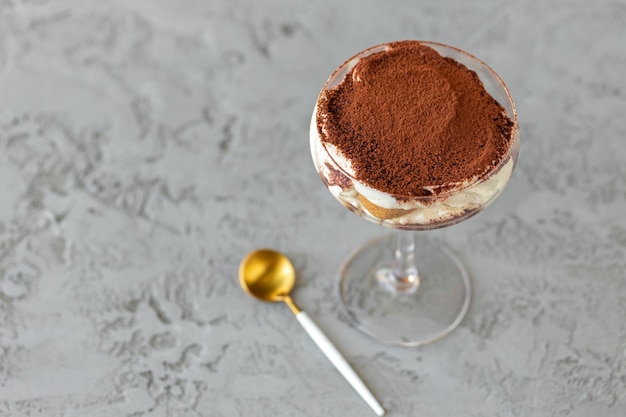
<point x="410" y="138"/>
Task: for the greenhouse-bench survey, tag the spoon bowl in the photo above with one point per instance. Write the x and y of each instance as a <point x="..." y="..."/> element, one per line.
<point x="267" y="275"/>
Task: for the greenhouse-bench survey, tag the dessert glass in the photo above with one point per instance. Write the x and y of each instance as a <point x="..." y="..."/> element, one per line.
<point x="405" y="289"/>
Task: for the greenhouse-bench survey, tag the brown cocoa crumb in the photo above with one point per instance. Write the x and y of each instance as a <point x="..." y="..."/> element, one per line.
<point x="336" y="177"/>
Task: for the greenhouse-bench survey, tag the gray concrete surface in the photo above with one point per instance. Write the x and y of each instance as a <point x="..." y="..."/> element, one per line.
<point x="147" y="146"/>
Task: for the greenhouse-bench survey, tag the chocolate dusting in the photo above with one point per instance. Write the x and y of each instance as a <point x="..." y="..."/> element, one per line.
<point x="408" y="118"/>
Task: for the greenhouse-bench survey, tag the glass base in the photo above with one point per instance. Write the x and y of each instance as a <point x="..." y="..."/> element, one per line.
<point x="397" y="311"/>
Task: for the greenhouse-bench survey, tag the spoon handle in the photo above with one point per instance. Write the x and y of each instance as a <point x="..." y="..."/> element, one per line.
<point x="338" y="360"/>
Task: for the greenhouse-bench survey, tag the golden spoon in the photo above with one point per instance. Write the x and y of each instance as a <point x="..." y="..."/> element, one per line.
<point x="269" y="276"/>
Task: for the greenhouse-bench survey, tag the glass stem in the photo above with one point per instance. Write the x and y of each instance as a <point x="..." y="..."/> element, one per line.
<point x="404" y="269"/>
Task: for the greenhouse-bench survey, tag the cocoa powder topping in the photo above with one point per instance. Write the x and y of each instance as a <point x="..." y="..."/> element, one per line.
<point x="408" y="118"/>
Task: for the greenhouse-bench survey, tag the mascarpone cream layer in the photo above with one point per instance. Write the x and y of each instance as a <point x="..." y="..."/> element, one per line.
<point x="328" y="159"/>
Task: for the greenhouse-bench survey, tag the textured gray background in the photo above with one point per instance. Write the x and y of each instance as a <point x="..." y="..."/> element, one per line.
<point x="146" y="146"/>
